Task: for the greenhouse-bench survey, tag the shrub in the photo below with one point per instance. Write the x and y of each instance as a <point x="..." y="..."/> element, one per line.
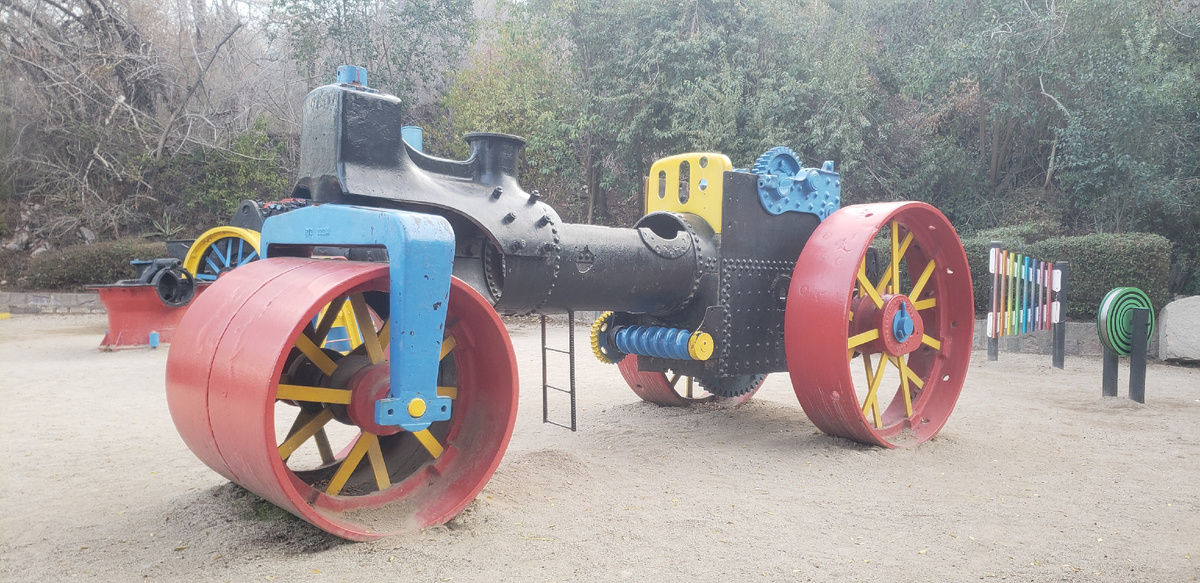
<point x="1099" y="262"/>
<point x="13" y="264"/>
<point x="1103" y="261"/>
<point x="71" y="268"/>
<point x="250" y="168"/>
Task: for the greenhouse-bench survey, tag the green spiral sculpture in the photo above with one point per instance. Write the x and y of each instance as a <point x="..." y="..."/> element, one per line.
<point x="1115" y="319"/>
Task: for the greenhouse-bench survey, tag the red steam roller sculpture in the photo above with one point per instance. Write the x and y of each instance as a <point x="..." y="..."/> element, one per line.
<point x="732" y="274"/>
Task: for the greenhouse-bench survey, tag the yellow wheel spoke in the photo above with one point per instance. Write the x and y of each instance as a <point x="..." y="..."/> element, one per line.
<point x="925" y="304"/>
<point x="327" y="320"/>
<point x="375" y="455"/>
<point x="895" y="259"/>
<point x="867" y="368"/>
<point x="351" y="462"/>
<point x="689" y="388"/>
<point x="313" y="394"/>
<point x="302" y="418"/>
<point x="323" y="446"/>
<point x="430" y="442"/>
<point x="865" y="337"/>
<point x="859" y="339"/>
<point x="914" y="378"/>
<point x="871" y="402"/>
<point x="866" y="286"/>
<point x="385" y="334"/>
<point x="674" y="379"/>
<point x="886" y="278"/>
<point x="920" y="287"/>
<point x="448" y="345"/>
<point x="450" y="392"/>
<point x="366" y="327"/>
<point x="931" y="342"/>
<point x="315" y="354"/>
<point x="307" y="429"/>
<point x="899" y="362"/>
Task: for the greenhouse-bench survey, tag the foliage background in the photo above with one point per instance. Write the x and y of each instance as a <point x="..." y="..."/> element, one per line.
<point x="1083" y="116"/>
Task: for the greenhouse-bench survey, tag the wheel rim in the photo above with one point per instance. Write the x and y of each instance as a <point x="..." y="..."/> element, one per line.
<point x="676" y="390"/>
<point x="225" y="393"/>
<point x="911" y="328"/>
<point x="221" y="249"/>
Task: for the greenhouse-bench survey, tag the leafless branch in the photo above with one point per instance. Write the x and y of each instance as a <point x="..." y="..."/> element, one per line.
<point x="162" y="138"/>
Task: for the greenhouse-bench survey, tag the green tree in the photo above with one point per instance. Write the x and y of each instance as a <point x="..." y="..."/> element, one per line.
<point x="517" y="84"/>
<point x="405" y="46"/>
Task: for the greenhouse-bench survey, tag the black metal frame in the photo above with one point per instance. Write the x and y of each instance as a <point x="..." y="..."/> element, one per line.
<point x="670" y="269"/>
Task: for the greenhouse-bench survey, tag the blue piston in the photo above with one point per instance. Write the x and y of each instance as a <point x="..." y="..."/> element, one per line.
<point x="655" y="341"/>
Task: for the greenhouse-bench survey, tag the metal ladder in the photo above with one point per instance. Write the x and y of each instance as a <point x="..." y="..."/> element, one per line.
<point x="546" y="386"/>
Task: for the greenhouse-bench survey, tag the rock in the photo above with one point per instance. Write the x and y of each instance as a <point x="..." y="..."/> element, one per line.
<point x="1179" y="331"/>
<point x="18" y="242"/>
<point x="88" y="235"/>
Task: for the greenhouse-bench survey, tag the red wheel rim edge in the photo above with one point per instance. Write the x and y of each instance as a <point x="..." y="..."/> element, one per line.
<point x="816" y="331"/>
<point x="234" y="432"/>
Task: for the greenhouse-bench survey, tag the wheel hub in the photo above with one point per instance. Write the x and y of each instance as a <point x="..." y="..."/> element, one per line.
<point x="900" y="326"/>
<point x="367" y="386"/>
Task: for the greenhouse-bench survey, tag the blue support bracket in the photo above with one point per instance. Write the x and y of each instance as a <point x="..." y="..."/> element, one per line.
<point x="420" y="251"/>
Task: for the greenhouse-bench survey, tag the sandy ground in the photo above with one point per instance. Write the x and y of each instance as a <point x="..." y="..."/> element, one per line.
<point x="1035" y="478"/>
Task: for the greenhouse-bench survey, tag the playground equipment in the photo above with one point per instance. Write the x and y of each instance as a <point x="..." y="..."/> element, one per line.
<point x="729" y="276"/>
<point x="1125" y="323"/>
<point x="1027" y="295"/>
<point x="146" y="310"/>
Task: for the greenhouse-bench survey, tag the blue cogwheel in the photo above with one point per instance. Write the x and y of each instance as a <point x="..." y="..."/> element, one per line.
<point x="778" y="161"/>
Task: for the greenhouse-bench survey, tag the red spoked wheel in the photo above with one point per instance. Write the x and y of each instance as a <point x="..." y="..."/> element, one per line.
<point x="256" y="400"/>
<point x="911" y="328"/>
<point x="676" y="390"/>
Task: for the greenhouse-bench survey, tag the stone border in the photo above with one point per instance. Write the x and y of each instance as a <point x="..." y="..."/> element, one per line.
<point x="50" y="303"/>
<point x="1081" y="340"/>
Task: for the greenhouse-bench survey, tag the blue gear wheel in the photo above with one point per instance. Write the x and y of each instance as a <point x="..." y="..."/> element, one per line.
<point x="778" y="161"/>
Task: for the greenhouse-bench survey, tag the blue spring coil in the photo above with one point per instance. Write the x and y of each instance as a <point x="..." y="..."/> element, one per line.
<point x="654" y="341"/>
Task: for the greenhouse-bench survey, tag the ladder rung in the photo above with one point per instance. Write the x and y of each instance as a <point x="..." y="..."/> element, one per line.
<point x="547" y="387"/>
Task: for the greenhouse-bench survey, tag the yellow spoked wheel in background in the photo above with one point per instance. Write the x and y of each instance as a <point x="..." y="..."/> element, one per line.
<point x="220" y="249"/>
<point x="223" y="248"/>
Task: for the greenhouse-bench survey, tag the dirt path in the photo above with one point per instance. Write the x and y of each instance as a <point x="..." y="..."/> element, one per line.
<point x="1035" y="478"/>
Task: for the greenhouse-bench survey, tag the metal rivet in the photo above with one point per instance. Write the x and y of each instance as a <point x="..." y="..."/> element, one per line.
<point x="497" y="192"/>
<point x="510" y="217"/>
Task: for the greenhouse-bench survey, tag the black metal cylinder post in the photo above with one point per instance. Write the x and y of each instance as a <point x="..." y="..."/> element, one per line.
<point x="1137" y="355"/>
<point x="1108" y="381"/>
<point x="545" y="404"/>
<point x="1058" y="356"/>
<point x="993" y="321"/>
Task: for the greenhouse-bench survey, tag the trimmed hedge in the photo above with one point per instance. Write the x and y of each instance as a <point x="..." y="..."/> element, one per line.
<point x="71" y="268"/>
<point x="13" y="265"/>
<point x="1099" y="262"/>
